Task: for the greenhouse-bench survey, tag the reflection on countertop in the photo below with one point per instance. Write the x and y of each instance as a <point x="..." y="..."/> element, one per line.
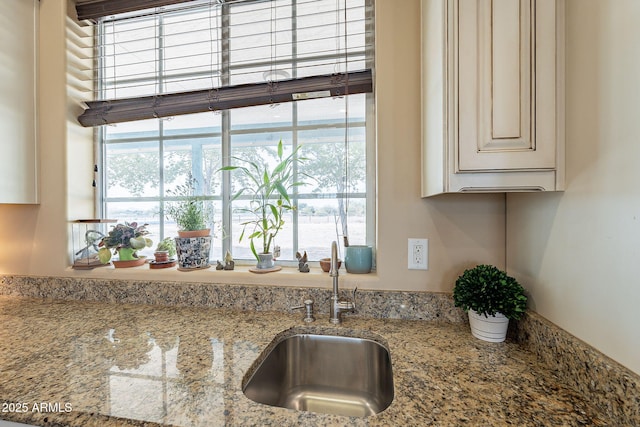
<point x="124" y="364"/>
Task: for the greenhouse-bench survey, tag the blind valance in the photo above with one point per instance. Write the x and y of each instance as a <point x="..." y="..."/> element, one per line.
<point x="94" y="9"/>
<point x="167" y="105"/>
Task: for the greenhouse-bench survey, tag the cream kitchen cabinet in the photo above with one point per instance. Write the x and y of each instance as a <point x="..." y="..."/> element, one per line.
<point x="492" y="95"/>
<point x="18" y="103"/>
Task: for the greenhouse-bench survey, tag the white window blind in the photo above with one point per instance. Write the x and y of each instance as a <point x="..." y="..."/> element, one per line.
<point x="200" y="56"/>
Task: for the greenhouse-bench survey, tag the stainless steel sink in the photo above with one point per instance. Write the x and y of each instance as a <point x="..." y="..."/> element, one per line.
<point x="324" y="373"/>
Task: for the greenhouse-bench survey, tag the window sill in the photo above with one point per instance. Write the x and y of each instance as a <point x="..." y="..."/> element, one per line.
<point x="288" y="276"/>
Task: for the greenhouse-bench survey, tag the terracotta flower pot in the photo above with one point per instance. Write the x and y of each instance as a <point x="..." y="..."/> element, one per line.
<point x="130" y="263"/>
<point x="325" y="264"/>
<point x="161" y="256"/>
<point x="194" y="233"/>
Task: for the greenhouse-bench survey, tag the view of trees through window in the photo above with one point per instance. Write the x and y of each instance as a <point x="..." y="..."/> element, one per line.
<point x="144" y="161"/>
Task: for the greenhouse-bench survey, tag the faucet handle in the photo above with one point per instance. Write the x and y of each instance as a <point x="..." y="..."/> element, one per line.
<point x="354" y="297"/>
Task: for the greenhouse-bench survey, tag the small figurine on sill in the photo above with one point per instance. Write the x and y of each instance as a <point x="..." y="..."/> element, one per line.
<point x="303" y="267"/>
<point x="228" y="261"/>
<point x="229" y="264"/>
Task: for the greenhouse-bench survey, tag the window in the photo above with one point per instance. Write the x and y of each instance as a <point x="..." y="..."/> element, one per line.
<point x="206" y="45"/>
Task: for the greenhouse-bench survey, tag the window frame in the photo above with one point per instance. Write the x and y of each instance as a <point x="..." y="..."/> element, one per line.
<point x="225" y="139"/>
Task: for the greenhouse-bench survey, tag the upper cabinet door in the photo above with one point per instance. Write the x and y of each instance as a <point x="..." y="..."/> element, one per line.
<point x="492" y="96"/>
<point x="506" y="63"/>
<point x="18" y="103"/>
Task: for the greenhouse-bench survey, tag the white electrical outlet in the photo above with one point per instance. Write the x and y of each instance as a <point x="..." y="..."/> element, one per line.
<point x="418" y="254"/>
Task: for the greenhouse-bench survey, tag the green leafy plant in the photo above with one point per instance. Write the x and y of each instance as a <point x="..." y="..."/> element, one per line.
<point x="488" y="290"/>
<point x="123" y="236"/>
<point x="191" y="212"/>
<point x="270" y="190"/>
<point x="167" y="244"/>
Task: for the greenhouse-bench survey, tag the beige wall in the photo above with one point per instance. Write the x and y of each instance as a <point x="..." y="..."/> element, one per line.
<point x="578" y="252"/>
<point x="462" y="230"/>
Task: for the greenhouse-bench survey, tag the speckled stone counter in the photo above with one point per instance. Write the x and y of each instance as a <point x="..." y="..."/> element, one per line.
<point x="105" y="364"/>
<point x="603" y="382"/>
<point x="566" y="367"/>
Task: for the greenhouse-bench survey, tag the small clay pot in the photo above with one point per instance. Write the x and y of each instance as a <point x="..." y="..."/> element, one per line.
<point x="161" y="256"/>
<point x="325" y="264"/>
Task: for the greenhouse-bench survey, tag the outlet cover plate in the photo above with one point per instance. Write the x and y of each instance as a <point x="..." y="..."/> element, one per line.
<point x="418" y="254"/>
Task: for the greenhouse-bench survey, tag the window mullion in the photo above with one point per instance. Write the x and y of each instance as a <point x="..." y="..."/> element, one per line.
<point x="160" y="79"/>
<point x="225" y="139"/>
<point x="161" y="193"/>
<point x="294" y="123"/>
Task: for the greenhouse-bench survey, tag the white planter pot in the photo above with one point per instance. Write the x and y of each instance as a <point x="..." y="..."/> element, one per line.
<point x="265" y="261"/>
<point x="491" y="328"/>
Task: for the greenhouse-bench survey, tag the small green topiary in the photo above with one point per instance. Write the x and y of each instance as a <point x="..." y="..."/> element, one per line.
<point x="191" y="211"/>
<point x="488" y="291"/>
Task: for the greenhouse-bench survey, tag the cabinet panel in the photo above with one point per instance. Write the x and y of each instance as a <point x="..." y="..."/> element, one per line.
<point x="18" y="104"/>
<point x="508" y="41"/>
<point x="499" y="44"/>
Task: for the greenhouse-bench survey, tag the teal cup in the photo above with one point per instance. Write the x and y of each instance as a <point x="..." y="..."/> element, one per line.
<point x="358" y="259"/>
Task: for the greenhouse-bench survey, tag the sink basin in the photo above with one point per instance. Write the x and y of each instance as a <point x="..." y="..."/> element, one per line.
<point x="324" y="373"/>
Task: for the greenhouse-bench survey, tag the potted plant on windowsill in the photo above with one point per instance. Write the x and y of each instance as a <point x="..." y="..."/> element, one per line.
<point x="192" y="213"/>
<point x="270" y="200"/>
<point x="125" y="240"/>
<point x="164" y="254"/>
<point x="166" y="248"/>
<point x="491" y="298"/>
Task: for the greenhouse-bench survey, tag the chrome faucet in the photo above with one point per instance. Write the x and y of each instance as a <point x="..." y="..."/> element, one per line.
<point x="338" y="306"/>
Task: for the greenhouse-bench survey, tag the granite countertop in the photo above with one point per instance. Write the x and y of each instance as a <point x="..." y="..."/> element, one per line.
<point x="99" y="364"/>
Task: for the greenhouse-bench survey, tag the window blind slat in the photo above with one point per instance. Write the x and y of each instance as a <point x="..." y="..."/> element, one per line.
<point x="167" y="105"/>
